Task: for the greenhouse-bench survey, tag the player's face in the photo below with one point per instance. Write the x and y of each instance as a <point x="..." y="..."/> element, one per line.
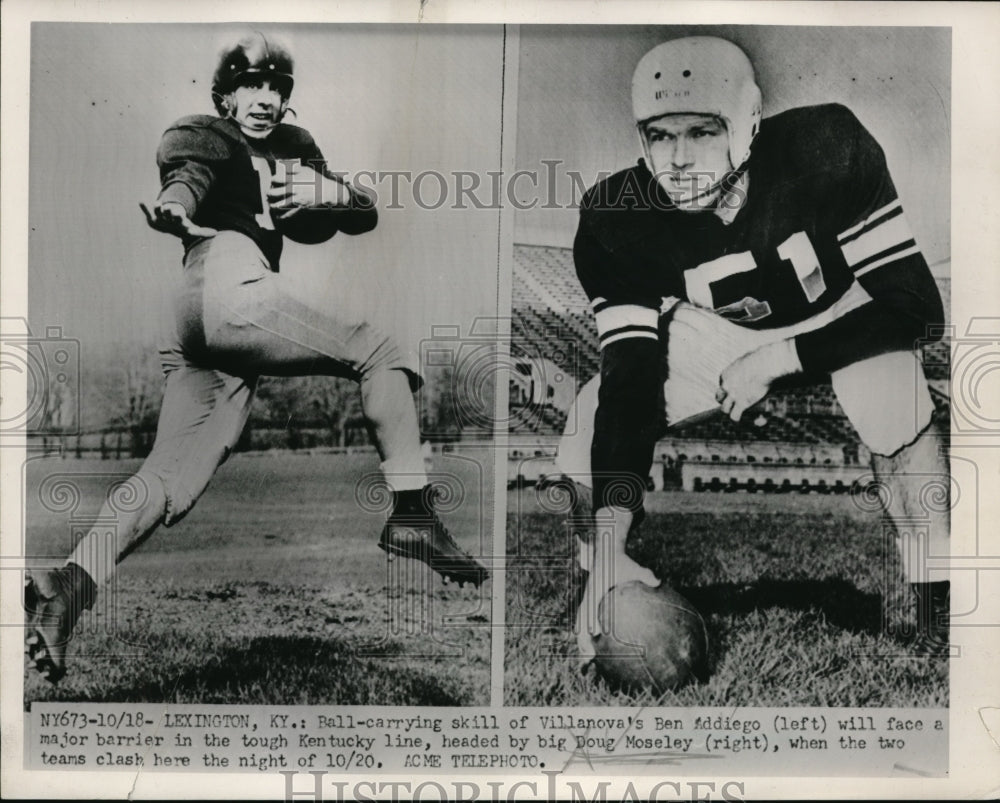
<point x="257" y="106"/>
<point x="690" y="156"/>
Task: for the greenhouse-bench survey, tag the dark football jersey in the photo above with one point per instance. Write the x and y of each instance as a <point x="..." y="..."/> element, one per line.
<point x="820" y="211"/>
<point x="222" y="177"/>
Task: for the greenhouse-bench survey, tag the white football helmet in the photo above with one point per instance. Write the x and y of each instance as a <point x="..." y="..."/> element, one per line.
<point x="699" y="75"/>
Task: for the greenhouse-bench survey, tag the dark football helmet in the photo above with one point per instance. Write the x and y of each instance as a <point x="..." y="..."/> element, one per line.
<point x="252" y="56"/>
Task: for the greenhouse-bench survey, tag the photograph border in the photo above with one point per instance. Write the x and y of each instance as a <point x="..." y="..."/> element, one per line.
<point x="975" y="696"/>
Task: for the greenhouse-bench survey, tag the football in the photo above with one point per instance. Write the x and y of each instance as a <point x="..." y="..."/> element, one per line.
<point x="651" y="638"/>
<point x="302" y="227"/>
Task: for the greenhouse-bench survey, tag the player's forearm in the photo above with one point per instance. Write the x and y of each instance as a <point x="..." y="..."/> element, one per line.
<point x="178" y="193"/>
<point x="628" y="422"/>
<point x="906" y="307"/>
<point x="862" y="333"/>
<point x="186" y="184"/>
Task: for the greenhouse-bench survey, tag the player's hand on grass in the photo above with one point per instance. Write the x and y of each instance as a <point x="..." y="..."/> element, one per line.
<point x="607" y="565"/>
<point x="171" y="218"/>
<point x="296" y="186"/>
<point x="748" y="379"/>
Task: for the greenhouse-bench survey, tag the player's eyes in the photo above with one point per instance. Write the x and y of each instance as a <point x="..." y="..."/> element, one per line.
<point x="657" y="136"/>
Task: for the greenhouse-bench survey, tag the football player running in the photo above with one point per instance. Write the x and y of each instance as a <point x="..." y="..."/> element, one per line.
<point x="232" y="186"/>
<point x="737" y="252"/>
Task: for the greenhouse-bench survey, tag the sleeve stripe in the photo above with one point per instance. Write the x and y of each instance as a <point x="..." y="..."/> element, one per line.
<point x="894" y="257"/>
<point x="600" y="304"/>
<point x="612" y="318"/>
<point x="892" y="233"/>
<point x="869" y="222"/>
<point x="889" y="254"/>
<point x="629" y="332"/>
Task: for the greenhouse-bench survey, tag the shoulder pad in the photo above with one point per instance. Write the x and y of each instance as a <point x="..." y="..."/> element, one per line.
<point x="831" y="119"/>
<point x="293" y="138"/>
<point x="812" y="138"/>
<point x="626" y="191"/>
<point x="293" y="133"/>
<point x="198" y="137"/>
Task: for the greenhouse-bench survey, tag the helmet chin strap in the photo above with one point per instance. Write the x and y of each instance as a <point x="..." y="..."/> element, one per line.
<point x="721" y="186"/>
<point x="227" y="103"/>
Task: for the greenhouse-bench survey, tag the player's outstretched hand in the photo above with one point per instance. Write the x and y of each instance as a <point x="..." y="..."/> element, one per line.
<point x="171" y="218"/>
<point x="296" y="186"/>
<point x="747" y="379"/>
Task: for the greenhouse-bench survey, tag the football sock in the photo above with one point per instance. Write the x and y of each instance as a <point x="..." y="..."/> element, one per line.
<point x="82" y="588"/>
<point x="933" y="609"/>
<point x="95" y="556"/>
<point x="405" y="472"/>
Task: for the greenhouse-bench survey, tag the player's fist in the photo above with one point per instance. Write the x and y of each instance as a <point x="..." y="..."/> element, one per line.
<point x="172" y="218"/>
<point x="747" y="379"/>
<point x="295" y="186"/>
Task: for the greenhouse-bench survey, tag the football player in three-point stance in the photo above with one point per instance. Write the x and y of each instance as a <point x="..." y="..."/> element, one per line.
<point x="739" y="251"/>
<point x="232" y="186"/>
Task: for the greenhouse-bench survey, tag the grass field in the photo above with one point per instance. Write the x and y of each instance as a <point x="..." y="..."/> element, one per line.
<point x="271" y="591"/>
<point x="790" y="588"/>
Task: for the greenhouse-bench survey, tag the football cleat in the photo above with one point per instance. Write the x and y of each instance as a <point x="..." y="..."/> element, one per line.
<point x="931" y="638"/>
<point x="426" y="539"/>
<point x="53" y="601"/>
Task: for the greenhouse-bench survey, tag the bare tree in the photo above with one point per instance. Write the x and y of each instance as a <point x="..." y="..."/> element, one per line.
<point x="439" y="409"/>
<point x="129" y="389"/>
<point x="334" y="401"/>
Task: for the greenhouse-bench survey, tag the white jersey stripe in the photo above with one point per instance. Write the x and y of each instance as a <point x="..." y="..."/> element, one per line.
<point x="620" y="315"/>
<point x="886" y="260"/>
<point x="877" y="213"/>
<point x="645" y="333"/>
<point x="894" y="231"/>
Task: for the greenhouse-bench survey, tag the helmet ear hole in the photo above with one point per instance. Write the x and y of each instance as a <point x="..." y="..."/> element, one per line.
<point x="223" y="103"/>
